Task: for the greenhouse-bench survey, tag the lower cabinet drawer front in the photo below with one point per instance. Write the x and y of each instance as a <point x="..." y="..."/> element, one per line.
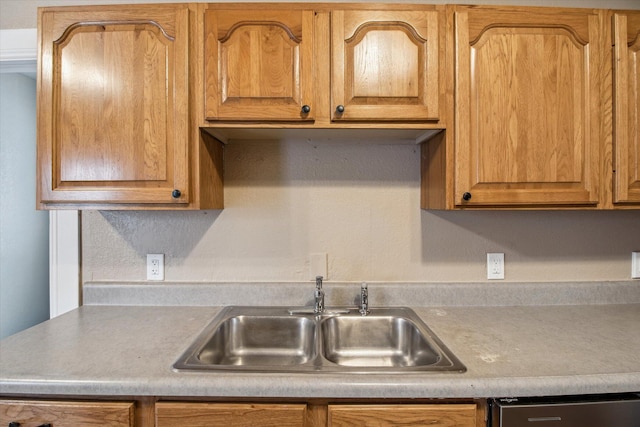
<point x="451" y="415"/>
<point x="176" y="414"/>
<point x="67" y="413"/>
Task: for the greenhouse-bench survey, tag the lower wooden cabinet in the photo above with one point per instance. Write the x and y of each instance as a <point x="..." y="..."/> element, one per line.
<point x="31" y="413"/>
<point x="150" y="412"/>
<point x="174" y="414"/>
<point x="445" y="415"/>
<point x="179" y="414"/>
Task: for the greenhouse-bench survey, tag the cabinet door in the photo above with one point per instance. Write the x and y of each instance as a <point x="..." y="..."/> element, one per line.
<point x="179" y="414"/>
<point x="626" y="27"/>
<point x="63" y="413"/>
<point x="259" y="65"/>
<point x="113" y="105"/>
<point x="385" y="65"/>
<point x="530" y="96"/>
<point x="453" y="415"/>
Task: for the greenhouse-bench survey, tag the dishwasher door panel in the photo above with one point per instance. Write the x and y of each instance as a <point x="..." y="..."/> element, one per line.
<point x="605" y="413"/>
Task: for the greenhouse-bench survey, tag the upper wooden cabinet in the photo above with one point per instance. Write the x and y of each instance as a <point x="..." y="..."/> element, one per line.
<point x="113" y="105"/>
<point x="539" y="111"/>
<point x="317" y="66"/>
<point x="113" y="110"/>
<point x="626" y="31"/>
<point x="259" y="65"/>
<point x="531" y="98"/>
<point x="385" y="65"/>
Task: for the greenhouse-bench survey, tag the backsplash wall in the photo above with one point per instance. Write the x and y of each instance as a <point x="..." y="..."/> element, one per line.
<point x="358" y="203"/>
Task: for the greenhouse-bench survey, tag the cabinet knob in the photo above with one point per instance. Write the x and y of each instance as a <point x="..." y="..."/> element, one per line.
<point x="306" y="109"/>
<point x="45" y="425"/>
<point x="176" y="194"/>
<point x="14" y="424"/>
<point x="466" y="196"/>
<point x="340" y="109"/>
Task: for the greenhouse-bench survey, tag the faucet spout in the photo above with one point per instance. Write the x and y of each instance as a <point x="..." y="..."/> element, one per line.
<point x="319" y="296"/>
<point x="364" y="299"/>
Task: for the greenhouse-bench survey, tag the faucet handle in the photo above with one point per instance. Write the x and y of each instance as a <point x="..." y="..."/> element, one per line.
<point x="364" y="299"/>
<point x="319" y="282"/>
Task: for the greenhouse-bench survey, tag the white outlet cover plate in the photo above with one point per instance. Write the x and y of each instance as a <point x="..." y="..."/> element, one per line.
<point x="495" y="266"/>
<point x="635" y="265"/>
<point x="155" y="266"/>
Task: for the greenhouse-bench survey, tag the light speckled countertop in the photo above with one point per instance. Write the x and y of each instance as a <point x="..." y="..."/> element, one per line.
<point x="509" y="350"/>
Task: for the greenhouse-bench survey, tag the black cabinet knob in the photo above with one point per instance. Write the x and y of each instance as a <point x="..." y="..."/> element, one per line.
<point x="176" y="194"/>
<point x="306" y="109"/>
<point x="340" y="109"/>
<point x="14" y="424"/>
<point x="45" y="425"/>
<point x="466" y="196"/>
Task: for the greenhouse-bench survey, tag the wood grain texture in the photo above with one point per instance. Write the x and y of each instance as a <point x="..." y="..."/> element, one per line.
<point x="149" y="412"/>
<point x="386" y="65"/>
<point x="262" y="65"/>
<point x="433" y="172"/>
<point x="463" y="415"/>
<point x="210" y="172"/>
<point x="259" y="64"/>
<point x="179" y="414"/>
<point x="113" y="111"/>
<point x="67" y="413"/>
<point x="145" y="412"/>
<point x="529" y="107"/>
<point x="626" y="30"/>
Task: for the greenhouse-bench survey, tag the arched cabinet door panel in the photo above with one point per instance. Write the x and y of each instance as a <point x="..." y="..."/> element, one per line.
<point x="529" y="106"/>
<point x="113" y="106"/>
<point x="385" y="65"/>
<point x="259" y="65"/>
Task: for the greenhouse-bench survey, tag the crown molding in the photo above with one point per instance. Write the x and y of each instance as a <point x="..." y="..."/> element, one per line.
<point x="18" y="50"/>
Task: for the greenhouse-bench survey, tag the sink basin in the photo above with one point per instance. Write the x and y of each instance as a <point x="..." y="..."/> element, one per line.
<point x="260" y="341"/>
<point x="281" y="339"/>
<point x="376" y="341"/>
<point x="253" y="338"/>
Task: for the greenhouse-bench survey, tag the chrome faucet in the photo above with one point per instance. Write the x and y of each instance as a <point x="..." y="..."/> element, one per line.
<point x="364" y="299"/>
<point x="319" y="296"/>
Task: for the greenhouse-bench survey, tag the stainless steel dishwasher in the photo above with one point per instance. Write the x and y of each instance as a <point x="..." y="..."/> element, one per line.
<point x="619" y="410"/>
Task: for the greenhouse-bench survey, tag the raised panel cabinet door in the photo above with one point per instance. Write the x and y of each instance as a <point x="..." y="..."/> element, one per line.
<point x="441" y="415"/>
<point x="385" y="65"/>
<point x="180" y="414"/>
<point x="259" y="65"/>
<point x="113" y="105"/>
<point x="530" y="102"/>
<point x="626" y="28"/>
<point x="67" y="413"/>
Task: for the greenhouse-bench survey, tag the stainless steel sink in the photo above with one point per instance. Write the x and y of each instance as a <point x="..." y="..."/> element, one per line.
<point x="281" y="339"/>
<point x="259" y="340"/>
<point x="376" y="341"/>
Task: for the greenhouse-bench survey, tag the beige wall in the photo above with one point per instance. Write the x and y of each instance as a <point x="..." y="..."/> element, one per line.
<point x="22" y="13"/>
<point x="359" y="203"/>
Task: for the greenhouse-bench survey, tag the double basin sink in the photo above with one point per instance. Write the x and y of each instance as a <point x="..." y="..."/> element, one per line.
<point x="281" y="339"/>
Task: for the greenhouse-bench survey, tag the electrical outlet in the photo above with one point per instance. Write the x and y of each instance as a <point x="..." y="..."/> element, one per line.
<point x="635" y="265"/>
<point x="318" y="266"/>
<point x="495" y="266"/>
<point x="155" y="266"/>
